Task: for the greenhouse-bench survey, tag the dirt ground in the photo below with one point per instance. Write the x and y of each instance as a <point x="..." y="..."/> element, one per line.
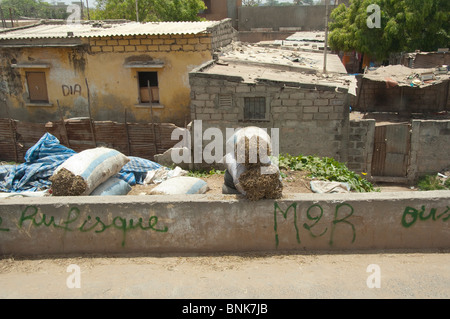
<point x="247" y="275"/>
<point x="295" y="182"/>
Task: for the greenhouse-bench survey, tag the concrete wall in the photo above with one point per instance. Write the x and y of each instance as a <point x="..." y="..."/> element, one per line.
<point x="200" y="223"/>
<point x="426" y="60"/>
<point x="429" y="146"/>
<point x="310" y="121"/>
<point x="427" y="154"/>
<point x="308" y="18"/>
<point x="360" y="145"/>
<point x="222" y="34"/>
<point x="258" y="36"/>
<point x="222" y="9"/>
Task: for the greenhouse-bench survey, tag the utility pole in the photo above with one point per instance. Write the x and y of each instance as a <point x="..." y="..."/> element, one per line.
<point x="87" y="8"/>
<point x="325" y="49"/>
<point x="137" y="11"/>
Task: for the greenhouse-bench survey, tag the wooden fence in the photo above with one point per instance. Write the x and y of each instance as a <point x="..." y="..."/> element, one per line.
<point x="133" y="139"/>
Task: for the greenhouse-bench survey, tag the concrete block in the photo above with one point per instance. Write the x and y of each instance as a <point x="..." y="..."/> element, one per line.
<point x="297" y="96"/>
<point x="164" y="48"/>
<point x="227" y="116"/>
<point x="325" y="109"/>
<point x="275" y="102"/>
<point x="119" y="48"/>
<point x="217" y="116"/>
<point x="306" y="102"/>
<point x="188" y="47"/>
<point x="320" y="116"/>
<point x="243" y="89"/>
<point x="336" y="102"/>
<point x="203" y="116"/>
<point x="310" y="109"/>
<point x="321" y="102"/>
<point x="153" y="48"/>
<point x="176" y="47"/>
<point x="289" y="102"/>
<point x="202" y="97"/>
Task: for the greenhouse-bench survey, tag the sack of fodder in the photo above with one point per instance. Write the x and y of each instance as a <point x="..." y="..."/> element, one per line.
<point x="251" y="146"/>
<point x="83" y="172"/>
<point x="254" y="174"/>
<point x="255" y="182"/>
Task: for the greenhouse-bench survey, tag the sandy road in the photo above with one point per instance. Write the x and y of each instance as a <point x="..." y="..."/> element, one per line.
<point x="250" y="276"/>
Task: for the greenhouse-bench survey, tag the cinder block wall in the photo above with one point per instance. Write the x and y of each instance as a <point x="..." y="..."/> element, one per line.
<point x="222" y="34"/>
<point x="430" y="151"/>
<point x="151" y="43"/>
<point x="360" y="145"/>
<point x="429" y="60"/>
<point x="310" y="122"/>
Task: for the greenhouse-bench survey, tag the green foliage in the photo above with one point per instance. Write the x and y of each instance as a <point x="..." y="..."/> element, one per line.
<point x="447" y="183"/>
<point x="205" y="173"/>
<point x="325" y="168"/>
<point x="432" y="182"/>
<point x="149" y="10"/>
<point x="32" y="9"/>
<point x="251" y="3"/>
<point x="406" y="26"/>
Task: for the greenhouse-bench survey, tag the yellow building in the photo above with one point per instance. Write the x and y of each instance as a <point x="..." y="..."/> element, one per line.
<point x="105" y="70"/>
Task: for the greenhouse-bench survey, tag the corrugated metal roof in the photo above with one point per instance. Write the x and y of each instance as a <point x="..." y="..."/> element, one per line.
<point x="45" y="31"/>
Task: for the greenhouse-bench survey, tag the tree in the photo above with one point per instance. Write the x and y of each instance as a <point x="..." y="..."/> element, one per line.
<point x="251" y="3"/>
<point x="32" y="9"/>
<point x="149" y="10"/>
<point x="405" y="26"/>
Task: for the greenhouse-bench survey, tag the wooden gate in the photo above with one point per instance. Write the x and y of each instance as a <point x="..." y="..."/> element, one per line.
<point x="391" y="150"/>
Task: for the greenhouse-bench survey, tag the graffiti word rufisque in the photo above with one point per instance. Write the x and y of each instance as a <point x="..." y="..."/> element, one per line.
<point x="314" y="214"/>
<point x="90" y="224"/>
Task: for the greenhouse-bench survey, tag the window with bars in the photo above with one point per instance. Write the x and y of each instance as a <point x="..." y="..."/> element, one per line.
<point x="254" y="108"/>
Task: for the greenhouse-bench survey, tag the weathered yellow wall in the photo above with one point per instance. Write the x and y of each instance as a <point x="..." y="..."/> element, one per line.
<point x="113" y="87"/>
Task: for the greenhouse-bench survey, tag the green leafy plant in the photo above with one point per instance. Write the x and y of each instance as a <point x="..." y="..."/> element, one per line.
<point x="432" y="182"/>
<point x="204" y="173"/>
<point x="325" y="168"/>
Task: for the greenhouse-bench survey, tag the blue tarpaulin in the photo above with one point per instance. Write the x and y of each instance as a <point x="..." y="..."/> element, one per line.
<point x="46" y="155"/>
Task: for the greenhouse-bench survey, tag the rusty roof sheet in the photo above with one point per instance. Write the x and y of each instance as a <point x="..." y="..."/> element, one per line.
<point x="44" y="31"/>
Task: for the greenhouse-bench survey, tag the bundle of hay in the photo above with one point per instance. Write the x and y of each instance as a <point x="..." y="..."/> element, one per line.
<point x="251" y="146"/>
<point x="257" y="185"/>
<point x="83" y="172"/>
<point x="254" y="175"/>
